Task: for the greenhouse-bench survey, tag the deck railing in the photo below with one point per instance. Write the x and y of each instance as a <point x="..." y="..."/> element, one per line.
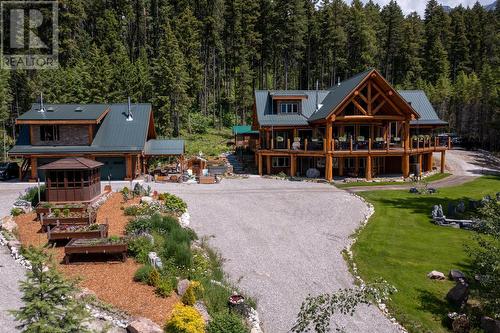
<point x="342" y="144"/>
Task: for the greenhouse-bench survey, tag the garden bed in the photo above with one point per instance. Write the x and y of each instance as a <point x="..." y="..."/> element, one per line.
<point x="95" y="246"/>
<point x="77" y="232"/>
<point x="73" y="218"/>
<point x="47" y="208"/>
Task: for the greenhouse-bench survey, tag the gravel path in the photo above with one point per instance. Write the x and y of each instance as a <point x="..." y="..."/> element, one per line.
<point x="281" y="241"/>
<point x="10" y="271"/>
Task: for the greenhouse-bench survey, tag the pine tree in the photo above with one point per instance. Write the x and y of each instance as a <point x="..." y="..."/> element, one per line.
<point x="49" y="302"/>
<point x="290" y="28"/>
<point x="5" y="96"/>
<point x="392" y="17"/>
<point x="459" y="55"/>
<point x="411" y="45"/>
<point x="436" y="41"/>
<point x="171" y="81"/>
<point x="361" y="42"/>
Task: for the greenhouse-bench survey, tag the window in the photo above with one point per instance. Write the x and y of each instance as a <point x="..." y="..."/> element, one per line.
<point x="289" y="107"/>
<point x="280" y="162"/>
<point x="49" y="133"/>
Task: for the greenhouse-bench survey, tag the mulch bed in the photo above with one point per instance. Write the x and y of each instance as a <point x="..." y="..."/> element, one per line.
<point x="112" y="282"/>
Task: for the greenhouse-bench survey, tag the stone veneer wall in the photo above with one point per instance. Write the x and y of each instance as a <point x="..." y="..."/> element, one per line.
<point x="69" y="135"/>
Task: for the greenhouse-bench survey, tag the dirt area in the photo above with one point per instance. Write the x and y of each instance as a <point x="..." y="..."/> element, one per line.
<point x="112" y="282"/>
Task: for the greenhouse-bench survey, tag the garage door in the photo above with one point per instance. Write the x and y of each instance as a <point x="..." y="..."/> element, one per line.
<point x="114" y="167"/>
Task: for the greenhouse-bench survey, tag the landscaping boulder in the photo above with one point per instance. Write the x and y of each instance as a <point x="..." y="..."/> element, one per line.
<point x="490" y="325"/>
<point x="435" y="275"/>
<point x="202" y="309"/>
<point x="154" y="260"/>
<point x="414" y="190"/>
<point x="182" y="286"/>
<point x="461" y="324"/>
<point x="312" y="173"/>
<point x="457" y="275"/>
<point x="458" y="295"/>
<point x="143" y="325"/>
<point x="147" y="200"/>
<point x="8" y="224"/>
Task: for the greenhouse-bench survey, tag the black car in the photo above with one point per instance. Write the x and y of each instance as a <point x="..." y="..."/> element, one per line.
<point x="8" y="170"/>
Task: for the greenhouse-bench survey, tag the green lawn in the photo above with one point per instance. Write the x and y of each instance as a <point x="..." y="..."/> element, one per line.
<point x="432" y="178"/>
<point x="401" y="245"/>
<point x="212" y="143"/>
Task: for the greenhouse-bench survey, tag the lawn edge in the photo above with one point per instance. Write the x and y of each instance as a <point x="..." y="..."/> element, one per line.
<point x="348" y="256"/>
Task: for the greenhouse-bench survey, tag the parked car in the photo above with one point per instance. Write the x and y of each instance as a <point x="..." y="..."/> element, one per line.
<point x="8" y="170"/>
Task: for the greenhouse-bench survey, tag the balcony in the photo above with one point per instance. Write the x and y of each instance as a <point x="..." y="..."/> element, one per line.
<point x="360" y="146"/>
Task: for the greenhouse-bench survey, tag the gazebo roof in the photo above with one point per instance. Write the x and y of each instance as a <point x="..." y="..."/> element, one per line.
<point x="72" y="163"/>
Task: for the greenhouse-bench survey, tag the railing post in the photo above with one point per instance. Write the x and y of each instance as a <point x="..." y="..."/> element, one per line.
<point x="333" y="146"/>
<point x="449" y="143"/>
<point x="350" y="144"/>
<point x="288" y="144"/>
<point x="370" y="145"/>
<point x="305" y="144"/>
<point x="387" y="144"/>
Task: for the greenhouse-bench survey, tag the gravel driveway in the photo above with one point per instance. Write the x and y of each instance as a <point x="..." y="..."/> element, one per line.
<point x="10" y="271"/>
<point x="281" y="241"/>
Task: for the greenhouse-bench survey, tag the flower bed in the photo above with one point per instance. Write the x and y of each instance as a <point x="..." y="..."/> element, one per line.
<point x="79" y="232"/>
<point x="47" y="208"/>
<point x="96" y="245"/>
<point x="72" y="218"/>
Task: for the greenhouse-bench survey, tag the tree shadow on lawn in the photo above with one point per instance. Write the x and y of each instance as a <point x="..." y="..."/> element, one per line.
<point x="423" y="204"/>
<point x="439" y="308"/>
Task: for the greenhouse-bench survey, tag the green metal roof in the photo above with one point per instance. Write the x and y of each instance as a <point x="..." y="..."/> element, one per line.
<point x="420" y="103"/>
<point x="264" y="107"/>
<point x="164" y="147"/>
<point x="337" y="94"/>
<point x="243" y="129"/>
<point x="114" y="134"/>
<point x="65" y="112"/>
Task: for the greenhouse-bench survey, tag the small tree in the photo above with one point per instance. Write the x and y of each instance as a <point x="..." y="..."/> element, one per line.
<point x="316" y="311"/>
<point x="486" y="257"/>
<point x="49" y="302"/>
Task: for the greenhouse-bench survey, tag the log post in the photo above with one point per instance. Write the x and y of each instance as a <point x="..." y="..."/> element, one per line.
<point x="369" y="145"/>
<point x="268" y="164"/>
<point x="328" y="168"/>
<point x="34" y="171"/>
<point x="368" y="168"/>
<point x="293" y="165"/>
<point x="259" y="157"/>
<point x="341" y="166"/>
<point x="429" y="162"/>
<point x="406" y="165"/>
<point x="305" y="144"/>
<point x="443" y="156"/>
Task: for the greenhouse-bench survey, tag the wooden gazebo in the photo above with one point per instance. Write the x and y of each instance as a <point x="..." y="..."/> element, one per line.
<point x="72" y="179"/>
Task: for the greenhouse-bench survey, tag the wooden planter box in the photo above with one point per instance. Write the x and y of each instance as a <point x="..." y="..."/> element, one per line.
<point x="57" y="234"/>
<point x="43" y="210"/>
<point x="207" y="180"/>
<point x="62" y="220"/>
<point x="85" y="246"/>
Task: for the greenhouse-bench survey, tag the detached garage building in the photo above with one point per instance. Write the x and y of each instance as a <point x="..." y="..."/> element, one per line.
<point x="120" y="136"/>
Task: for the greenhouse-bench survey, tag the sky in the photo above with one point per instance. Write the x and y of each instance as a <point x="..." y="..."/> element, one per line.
<point x="409" y="6"/>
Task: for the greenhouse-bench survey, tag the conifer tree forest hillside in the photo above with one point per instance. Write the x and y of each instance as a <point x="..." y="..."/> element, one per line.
<point x="198" y="61"/>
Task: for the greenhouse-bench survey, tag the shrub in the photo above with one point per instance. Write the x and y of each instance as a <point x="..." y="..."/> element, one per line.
<point x="185" y="319"/>
<point x="174" y="204"/>
<point x="164" y="287"/>
<point x="179" y="252"/>
<point x="56" y="212"/>
<point x="226" y="322"/>
<point x="154" y="277"/>
<point x="131" y="210"/>
<point x="142" y="274"/>
<point x="31" y="194"/>
<point x="66" y="212"/>
<point x="125" y="193"/>
<point x="139" y="247"/>
<point x="138" y="225"/>
<point x="16" y="211"/>
<point x="199" y="123"/>
<point x="193" y="292"/>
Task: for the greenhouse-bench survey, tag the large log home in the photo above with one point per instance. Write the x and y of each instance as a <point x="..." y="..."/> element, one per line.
<point x="120" y="136"/>
<point x="362" y="127"/>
